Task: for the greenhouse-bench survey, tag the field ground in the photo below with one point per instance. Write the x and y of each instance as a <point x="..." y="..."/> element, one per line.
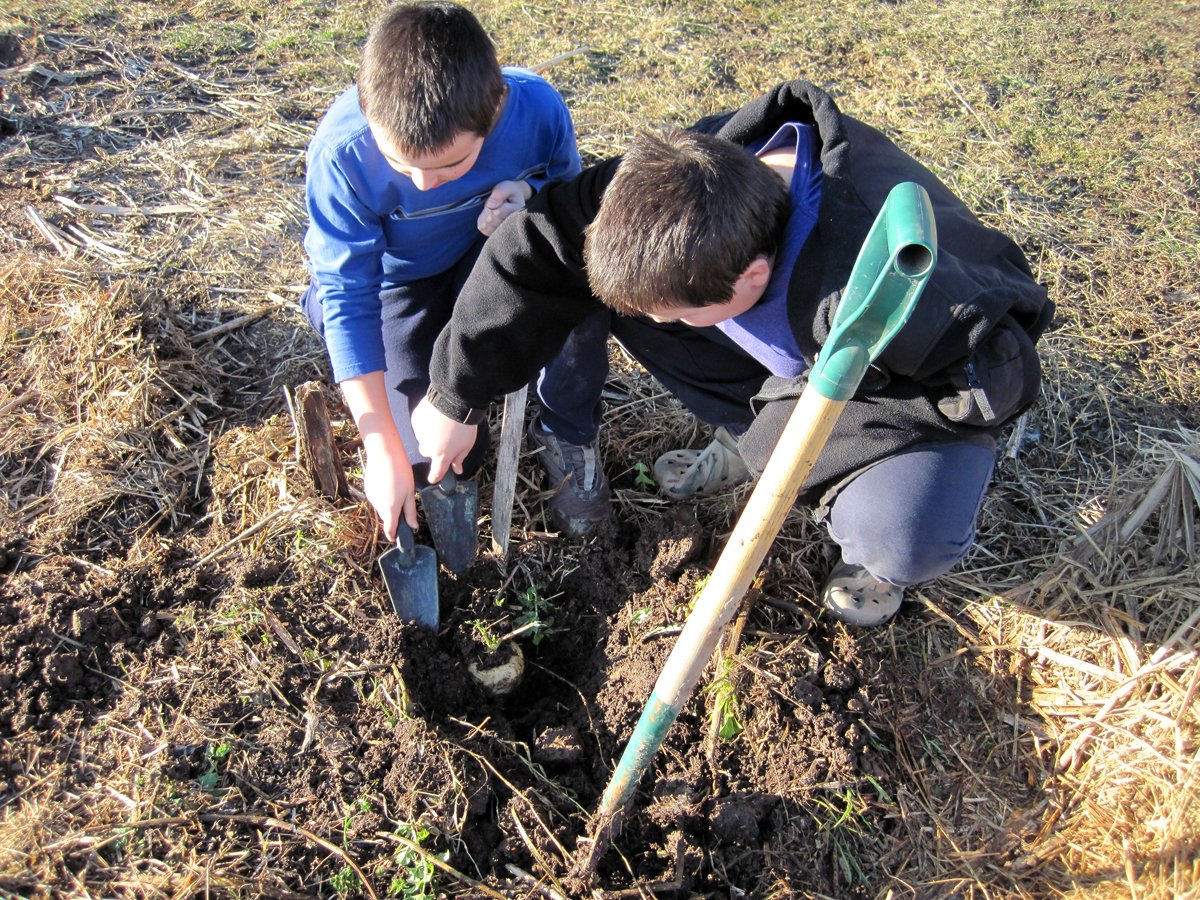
<point x="202" y="690"/>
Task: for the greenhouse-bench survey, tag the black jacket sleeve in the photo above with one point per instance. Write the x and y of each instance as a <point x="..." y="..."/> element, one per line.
<point x="528" y="289"/>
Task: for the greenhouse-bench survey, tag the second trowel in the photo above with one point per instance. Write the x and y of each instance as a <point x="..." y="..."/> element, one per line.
<point x="410" y="574"/>
<point x="451" y="510"/>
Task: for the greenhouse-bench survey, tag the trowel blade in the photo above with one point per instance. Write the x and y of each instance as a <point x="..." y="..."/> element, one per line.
<point x="410" y="574"/>
<point x="451" y="509"/>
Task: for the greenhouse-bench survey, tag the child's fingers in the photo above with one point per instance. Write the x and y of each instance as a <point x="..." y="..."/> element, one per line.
<point x="389" y="529"/>
<point x="438" y="465"/>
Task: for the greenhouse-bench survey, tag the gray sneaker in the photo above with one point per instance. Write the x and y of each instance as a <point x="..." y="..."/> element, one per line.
<point x="854" y="596"/>
<point x="582" y="500"/>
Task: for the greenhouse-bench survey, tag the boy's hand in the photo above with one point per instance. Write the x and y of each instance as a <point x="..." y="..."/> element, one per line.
<point x="443" y="440"/>
<point x="387" y="473"/>
<point x="507" y="198"/>
<point x="389" y="486"/>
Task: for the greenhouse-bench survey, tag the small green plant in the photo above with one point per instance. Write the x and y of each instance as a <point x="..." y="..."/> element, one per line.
<point x="414" y="878"/>
<point x="344" y="882"/>
<point x="934" y="748"/>
<point x="536" y="615"/>
<point x="841" y="819"/>
<point x="349" y="811"/>
<point x="218" y="38"/>
<point x="491" y="641"/>
<point x="642" y="477"/>
<point x="727" y="706"/>
<point x="393" y="710"/>
<point x="113" y="851"/>
<point x="696" y="592"/>
<point x="216" y="756"/>
<point x="640" y="615"/>
<point x="241" y="617"/>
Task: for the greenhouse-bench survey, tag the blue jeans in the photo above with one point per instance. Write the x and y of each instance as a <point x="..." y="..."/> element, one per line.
<point x="910" y="518"/>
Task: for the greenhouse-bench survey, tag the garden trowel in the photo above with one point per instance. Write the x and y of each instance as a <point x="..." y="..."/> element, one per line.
<point x="410" y="574"/>
<point x="451" y="508"/>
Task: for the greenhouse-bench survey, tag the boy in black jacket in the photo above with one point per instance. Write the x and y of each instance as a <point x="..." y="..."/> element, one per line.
<point x="722" y="253"/>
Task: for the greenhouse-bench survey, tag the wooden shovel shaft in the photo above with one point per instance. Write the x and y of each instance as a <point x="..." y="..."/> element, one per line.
<point x="801" y="443"/>
<point x="507" y="456"/>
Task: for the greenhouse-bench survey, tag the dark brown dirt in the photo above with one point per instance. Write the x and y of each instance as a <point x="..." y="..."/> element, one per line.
<point x="177" y="693"/>
<point x="284" y="709"/>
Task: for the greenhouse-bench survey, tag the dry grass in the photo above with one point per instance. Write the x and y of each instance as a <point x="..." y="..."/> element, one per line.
<point x="1045" y="727"/>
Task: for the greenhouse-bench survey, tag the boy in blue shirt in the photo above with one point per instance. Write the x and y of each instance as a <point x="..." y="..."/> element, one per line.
<point x="408" y="173"/>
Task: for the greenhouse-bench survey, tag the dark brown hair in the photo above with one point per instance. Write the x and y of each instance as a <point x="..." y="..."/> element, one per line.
<point x="683" y="217"/>
<point x="428" y="73"/>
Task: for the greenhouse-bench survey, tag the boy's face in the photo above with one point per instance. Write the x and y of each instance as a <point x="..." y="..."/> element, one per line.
<point x="747" y="291"/>
<point x="430" y="170"/>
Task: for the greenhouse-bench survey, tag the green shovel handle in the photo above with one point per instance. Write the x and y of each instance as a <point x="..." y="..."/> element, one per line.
<point x="892" y="267"/>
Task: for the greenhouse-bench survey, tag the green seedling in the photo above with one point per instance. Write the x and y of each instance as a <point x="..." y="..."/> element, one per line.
<point x="536" y="615"/>
<point x="728" y="707"/>
<point x="842" y="821"/>
<point x="393" y="710"/>
<point x="640" y="615"/>
<point x="642" y="477"/>
<point x="884" y="796"/>
<point x="216" y="756"/>
<point x="699" y="589"/>
<point x="414" y="878"/>
<point x="349" y="811"/>
<point x="345" y="882"/>
<point x="240" y="618"/>
<point x="933" y="748"/>
<point x="491" y="641"/>
<point x="113" y="851"/>
<point x="196" y="38"/>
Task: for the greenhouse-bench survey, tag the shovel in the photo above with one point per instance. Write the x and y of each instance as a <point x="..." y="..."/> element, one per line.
<point x="410" y="574"/>
<point x="451" y="509"/>
<point x="893" y="265"/>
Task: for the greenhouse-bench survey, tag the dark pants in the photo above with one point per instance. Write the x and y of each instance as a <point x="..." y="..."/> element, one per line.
<point x="412" y="317"/>
<point x="908" y="518"/>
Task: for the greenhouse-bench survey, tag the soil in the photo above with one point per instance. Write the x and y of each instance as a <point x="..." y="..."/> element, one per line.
<point x="350" y="713"/>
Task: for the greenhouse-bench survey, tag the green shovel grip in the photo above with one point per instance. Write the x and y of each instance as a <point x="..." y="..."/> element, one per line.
<point x="895" y="261"/>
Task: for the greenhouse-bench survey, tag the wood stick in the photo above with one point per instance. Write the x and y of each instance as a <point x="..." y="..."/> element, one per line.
<point x="317" y="447"/>
<point x="231" y="325"/>
<point x="507" y="456"/>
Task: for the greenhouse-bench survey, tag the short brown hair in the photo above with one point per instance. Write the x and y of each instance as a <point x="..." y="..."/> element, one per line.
<point x="428" y="73"/>
<point x="683" y="217"/>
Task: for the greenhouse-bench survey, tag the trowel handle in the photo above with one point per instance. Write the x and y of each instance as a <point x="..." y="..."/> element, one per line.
<point x="404" y="539"/>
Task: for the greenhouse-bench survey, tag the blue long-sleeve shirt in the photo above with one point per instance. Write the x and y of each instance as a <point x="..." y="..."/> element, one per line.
<point x="370" y="229"/>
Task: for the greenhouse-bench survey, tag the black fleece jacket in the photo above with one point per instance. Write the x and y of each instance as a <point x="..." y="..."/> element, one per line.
<point x="962" y="367"/>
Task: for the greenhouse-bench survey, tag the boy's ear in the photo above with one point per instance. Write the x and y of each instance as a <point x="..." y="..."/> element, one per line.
<point x="758" y="273"/>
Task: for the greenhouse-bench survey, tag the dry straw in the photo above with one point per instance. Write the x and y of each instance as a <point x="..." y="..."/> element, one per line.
<point x="1042" y="707"/>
